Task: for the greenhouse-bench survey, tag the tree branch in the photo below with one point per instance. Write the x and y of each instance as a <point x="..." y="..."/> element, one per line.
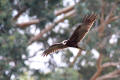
<point x="114" y="18"/>
<point x="106" y="21"/>
<point x="113" y="74"/>
<point x="25" y="24"/>
<point x="75" y="59"/>
<point x="103" y="5"/>
<point x="64" y="10"/>
<point x="108" y="64"/>
<point x="99" y="68"/>
<point x="49" y="27"/>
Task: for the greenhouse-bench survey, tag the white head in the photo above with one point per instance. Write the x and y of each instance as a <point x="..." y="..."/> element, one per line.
<point x="64" y="42"/>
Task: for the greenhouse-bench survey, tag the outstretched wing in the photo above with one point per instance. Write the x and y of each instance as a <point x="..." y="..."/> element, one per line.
<point x="82" y="29"/>
<point x="54" y="48"/>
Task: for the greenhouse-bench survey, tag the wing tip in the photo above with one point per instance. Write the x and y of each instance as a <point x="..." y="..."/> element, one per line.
<point x="89" y="18"/>
<point x="44" y="54"/>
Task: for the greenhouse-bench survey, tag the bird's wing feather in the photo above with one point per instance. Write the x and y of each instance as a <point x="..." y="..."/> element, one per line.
<point x="54" y="48"/>
<point x="90" y="18"/>
<point x="81" y="29"/>
<point x="75" y="34"/>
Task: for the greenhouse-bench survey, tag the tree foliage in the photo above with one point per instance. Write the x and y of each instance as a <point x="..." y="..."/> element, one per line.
<point x="43" y="15"/>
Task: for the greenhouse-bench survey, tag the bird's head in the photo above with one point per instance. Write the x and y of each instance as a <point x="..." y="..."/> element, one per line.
<point x="64" y="42"/>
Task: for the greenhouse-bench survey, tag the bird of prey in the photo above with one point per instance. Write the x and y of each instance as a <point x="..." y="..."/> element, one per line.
<point x="79" y="33"/>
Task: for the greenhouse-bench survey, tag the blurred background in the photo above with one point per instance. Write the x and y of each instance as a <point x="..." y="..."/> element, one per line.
<point x="28" y="27"/>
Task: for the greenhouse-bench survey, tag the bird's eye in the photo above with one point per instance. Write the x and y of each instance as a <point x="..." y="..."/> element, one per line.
<point x="64" y="42"/>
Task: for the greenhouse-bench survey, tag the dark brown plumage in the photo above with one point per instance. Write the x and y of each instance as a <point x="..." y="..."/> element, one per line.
<point x="53" y="48"/>
<point x="79" y="33"/>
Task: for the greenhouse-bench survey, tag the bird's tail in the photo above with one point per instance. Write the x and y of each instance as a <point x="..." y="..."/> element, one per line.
<point x="90" y="18"/>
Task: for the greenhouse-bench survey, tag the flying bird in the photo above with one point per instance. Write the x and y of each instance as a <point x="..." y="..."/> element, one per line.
<point x="79" y="33"/>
